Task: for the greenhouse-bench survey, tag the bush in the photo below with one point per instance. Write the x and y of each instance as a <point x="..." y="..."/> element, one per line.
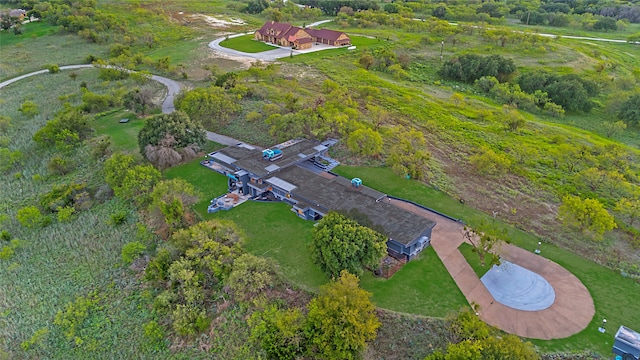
<point x="132" y="251"/>
<point x="118" y="218"/>
<point x="53" y="68"/>
<point x="64" y="213"/>
<point x="31" y="217"/>
<point x="58" y="165"/>
<point x="5" y="235"/>
<point x="154" y="336"/>
<point x="29" y="109"/>
<point x="9" y="159"/>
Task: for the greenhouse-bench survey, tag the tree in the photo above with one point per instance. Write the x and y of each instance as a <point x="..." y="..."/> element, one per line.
<point x="485" y="242"/>
<point x="440" y="12"/>
<point x="488" y="162"/>
<point x="586" y="214"/>
<point x="407" y="155"/>
<point x="341" y="319"/>
<point x="365" y="141"/>
<point x="606" y="24"/>
<point x="178" y="125"/>
<point x="513" y="120"/>
<point x="32" y="217"/>
<point x="169" y="201"/>
<point x="475" y="340"/>
<point x="629" y="208"/>
<point x="68" y="127"/>
<point x="138" y="183"/>
<point x="116" y="167"/>
<point x="630" y="110"/>
<point x="614" y="128"/>
<point x="280" y="333"/>
<point x="138" y="100"/>
<point x="366" y="61"/>
<point x="212" y="107"/>
<point x="339" y="243"/>
<point x="251" y="277"/>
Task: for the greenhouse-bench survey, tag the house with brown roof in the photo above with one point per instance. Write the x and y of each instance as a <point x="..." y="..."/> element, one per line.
<point x="285" y="34"/>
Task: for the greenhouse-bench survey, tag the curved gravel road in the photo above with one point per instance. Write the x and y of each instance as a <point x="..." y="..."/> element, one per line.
<point x="173" y="89"/>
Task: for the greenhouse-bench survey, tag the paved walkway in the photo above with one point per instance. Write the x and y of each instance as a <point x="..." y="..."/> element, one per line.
<point x="570" y="313"/>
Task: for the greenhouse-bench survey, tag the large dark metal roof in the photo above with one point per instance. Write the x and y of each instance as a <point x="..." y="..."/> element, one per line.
<point x="337" y="193"/>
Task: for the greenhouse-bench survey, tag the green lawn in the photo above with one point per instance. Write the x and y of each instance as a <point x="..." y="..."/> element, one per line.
<point x="423" y="286"/>
<point x="30" y="31"/>
<point x="247" y="44"/>
<point x="615" y="296"/>
<point x="124" y="136"/>
<point x="273" y="231"/>
<point x="360" y="42"/>
<point x="209" y="183"/>
<point x="473" y="259"/>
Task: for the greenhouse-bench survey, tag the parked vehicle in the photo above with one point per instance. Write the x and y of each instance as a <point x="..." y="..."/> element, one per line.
<point x="627" y="344"/>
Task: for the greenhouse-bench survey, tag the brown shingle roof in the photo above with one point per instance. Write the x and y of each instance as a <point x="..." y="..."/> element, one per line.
<point x="279" y="29"/>
<point x="324" y="34"/>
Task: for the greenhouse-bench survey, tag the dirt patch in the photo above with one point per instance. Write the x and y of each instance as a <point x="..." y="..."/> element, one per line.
<point x="217" y="23"/>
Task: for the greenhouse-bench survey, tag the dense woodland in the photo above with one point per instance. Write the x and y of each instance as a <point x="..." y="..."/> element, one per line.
<point x="103" y="252"/>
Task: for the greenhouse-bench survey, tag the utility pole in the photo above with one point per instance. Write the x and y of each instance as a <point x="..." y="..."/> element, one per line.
<point x="441" y="50"/>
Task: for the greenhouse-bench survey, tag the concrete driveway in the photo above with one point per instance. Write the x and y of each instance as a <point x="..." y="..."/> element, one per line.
<point x="270" y="55"/>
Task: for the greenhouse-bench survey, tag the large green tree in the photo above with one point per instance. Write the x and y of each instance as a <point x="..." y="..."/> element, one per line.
<point x="179" y="125"/>
<point x="212" y="106"/>
<point x="169" y="202"/>
<point x="475" y="340"/>
<point x="341" y="320"/>
<point x="408" y="155"/>
<point x="586" y="214"/>
<point x="340" y="243"/>
<point x="630" y="110"/>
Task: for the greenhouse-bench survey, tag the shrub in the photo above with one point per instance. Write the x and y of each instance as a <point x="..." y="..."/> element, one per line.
<point x="9" y="159"/>
<point x="189" y="320"/>
<point x="36" y="339"/>
<point x="58" y="165"/>
<point x="31" y="217"/>
<point x="29" y="109"/>
<point x="118" y="217"/>
<point x="5" y="123"/>
<point x="72" y="318"/>
<point x="154" y="335"/>
<point x="64" y="213"/>
<point x="53" y="68"/>
<point x="132" y="251"/>
<point x="5" y="235"/>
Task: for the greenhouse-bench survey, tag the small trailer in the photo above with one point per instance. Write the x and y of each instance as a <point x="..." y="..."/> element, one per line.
<point x="627" y="344"/>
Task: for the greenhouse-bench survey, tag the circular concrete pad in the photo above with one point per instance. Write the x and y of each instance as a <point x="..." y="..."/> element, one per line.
<point x="518" y="288"/>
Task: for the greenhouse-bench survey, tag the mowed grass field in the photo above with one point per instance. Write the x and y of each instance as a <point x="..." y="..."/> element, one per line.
<point x="246" y="43"/>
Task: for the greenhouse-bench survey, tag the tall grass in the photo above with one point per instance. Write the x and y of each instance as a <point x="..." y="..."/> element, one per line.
<point x="63" y="260"/>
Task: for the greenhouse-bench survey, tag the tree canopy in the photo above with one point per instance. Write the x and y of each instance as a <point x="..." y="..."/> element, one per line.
<point x="174" y="131"/>
<point x="586" y="214"/>
<point x="341" y="319"/>
<point x="340" y="243"/>
<point x="475" y="340"/>
<point x="212" y="107"/>
<point x="470" y="67"/>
